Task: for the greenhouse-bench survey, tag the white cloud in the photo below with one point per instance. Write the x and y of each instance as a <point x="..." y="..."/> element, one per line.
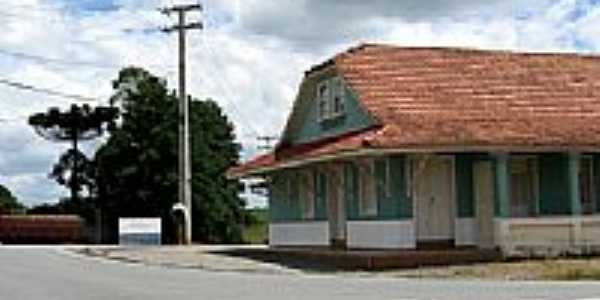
<point x="250" y="57"/>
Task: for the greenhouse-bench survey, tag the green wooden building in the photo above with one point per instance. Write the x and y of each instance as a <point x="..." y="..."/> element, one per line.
<point x="396" y="148"/>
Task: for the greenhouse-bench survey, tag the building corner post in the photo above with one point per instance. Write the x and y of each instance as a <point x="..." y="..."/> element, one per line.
<point x="502" y="185"/>
<point x="574" y="193"/>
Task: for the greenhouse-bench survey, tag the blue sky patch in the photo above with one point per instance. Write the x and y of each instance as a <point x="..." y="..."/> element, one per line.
<point x="88" y="6"/>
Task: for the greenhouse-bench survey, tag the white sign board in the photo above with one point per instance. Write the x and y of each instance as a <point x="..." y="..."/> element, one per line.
<point x="140" y="231"/>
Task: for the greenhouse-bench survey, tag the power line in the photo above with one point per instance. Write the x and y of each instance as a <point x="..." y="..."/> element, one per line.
<point x="35" y="57"/>
<point x="229" y="95"/>
<point x="49" y="92"/>
<point x="267" y="141"/>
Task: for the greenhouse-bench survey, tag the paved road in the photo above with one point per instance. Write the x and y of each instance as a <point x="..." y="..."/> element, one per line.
<point x="52" y="273"/>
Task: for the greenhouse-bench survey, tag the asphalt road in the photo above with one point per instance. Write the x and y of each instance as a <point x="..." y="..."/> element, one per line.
<point x="53" y="273"/>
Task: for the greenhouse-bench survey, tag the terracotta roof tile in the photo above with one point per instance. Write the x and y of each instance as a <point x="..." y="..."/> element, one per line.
<point x="447" y="97"/>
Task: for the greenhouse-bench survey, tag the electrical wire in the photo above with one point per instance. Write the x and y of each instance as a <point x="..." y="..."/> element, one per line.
<point x="35" y="57"/>
<point x="229" y="95"/>
<point x="49" y="92"/>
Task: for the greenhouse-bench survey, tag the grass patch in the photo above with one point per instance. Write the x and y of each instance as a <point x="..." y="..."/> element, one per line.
<point x="255" y="234"/>
<point x="581" y="269"/>
<point x="550" y="269"/>
<point x="576" y="274"/>
<point x="256" y="228"/>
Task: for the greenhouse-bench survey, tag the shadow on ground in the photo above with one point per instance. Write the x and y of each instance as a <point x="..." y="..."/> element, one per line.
<point x="327" y="260"/>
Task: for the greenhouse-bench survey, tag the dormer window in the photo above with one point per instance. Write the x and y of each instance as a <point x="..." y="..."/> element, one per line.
<point x="330" y="98"/>
<point x="323" y="99"/>
<point x="337" y="104"/>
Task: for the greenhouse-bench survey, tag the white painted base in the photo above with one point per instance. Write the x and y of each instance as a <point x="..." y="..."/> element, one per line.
<point x="465" y="231"/>
<point x="548" y="236"/>
<point x="381" y="234"/>
<point x="309" y="233"/>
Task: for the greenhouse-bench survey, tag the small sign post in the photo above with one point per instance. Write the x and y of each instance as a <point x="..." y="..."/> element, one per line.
<point x="140" y="231"/>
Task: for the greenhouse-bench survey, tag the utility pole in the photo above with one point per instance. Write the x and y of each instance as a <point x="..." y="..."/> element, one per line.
<point x="267" y="142"/>
<point x="185" y="170"/>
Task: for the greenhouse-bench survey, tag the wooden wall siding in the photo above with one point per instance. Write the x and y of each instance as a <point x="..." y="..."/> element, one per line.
<point x="284" y="198"/>
<point x="502" y="186"/>
<point x="554" y="185"/>
<point x="320" y="195"/>
<point x="400" y="189"/>
<point x="310" y="129"/>
<point x="294" y="207"/>
<point x="464" y="185"/>
<point x="573" y="161"/>
<point x="391" y="205"/>
<point x="386" y="203"/>
<point x="277" y="196"/>
<point x="351" y="190"/>
<point x="596" y="179"/>
<point x="394" y="204"/>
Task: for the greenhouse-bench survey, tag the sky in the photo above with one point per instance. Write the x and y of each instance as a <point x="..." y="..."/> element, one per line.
<point x="250" y="57"/>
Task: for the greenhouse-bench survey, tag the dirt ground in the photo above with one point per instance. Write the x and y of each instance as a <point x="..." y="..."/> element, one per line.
<point x="550" y="269"/>
<point x="215" y="258"/>
<point x="200" y="256"/>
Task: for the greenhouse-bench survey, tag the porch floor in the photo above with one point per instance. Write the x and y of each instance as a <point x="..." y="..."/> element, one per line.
<point x="325" y="259"/>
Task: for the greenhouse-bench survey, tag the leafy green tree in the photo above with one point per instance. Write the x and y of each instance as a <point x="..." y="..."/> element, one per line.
<point x="137" y="167"/>
<point x="8" y="202"/>
<point x="217" y="209"/>
<point x="62" y="172"/>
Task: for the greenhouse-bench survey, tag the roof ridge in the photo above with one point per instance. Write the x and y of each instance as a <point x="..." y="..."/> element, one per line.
<point x="363" y="46"/>
<point x="475" y="50"/>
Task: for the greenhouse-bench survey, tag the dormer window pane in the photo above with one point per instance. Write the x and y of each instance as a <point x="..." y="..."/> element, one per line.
<point x="338" y="97"/>
<point x="323" y="100"/>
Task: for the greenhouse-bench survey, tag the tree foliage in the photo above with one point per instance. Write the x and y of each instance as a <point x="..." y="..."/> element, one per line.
<point x="136" y="168"/>
<point x="8" y="202"/>
<point x="62" y="172"/>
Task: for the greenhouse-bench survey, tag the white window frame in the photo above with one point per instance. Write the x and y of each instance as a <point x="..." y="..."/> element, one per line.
<point x="307" y="194"/>
<point x="366" y="175"/>
<point x="535" y="183"/>
<point x="337" y="90"/>
<point x="326" y="106"/>
<point x="323" y="100"/>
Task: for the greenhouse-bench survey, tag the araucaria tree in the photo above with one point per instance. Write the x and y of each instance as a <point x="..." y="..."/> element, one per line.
<point x="137" y="167"/>
<point x="77" y="124"/>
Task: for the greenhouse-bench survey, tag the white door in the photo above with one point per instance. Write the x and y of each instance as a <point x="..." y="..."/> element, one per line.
<point x="435" y="210"/>
<point x="483" y="185"/>
<point x="337" y="209"/>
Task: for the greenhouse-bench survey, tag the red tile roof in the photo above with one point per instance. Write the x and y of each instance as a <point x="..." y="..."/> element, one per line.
<point x="440" y="98"/>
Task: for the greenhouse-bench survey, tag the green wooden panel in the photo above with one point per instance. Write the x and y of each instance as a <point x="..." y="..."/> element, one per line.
<point x="277" y="197"/>
<point x="392" y="201"/>
<point x="294" y="207"/>
<point x="401" y="202"/>
<point x="464" y="186"/>
<point x="351" y="192"/>
<point x="320" y="195"/>
<point x="311" y="129"/>
<point x="385" y="207"/>
<point x="554" y="185"/>
<point x="502" y="186"/>
<point x="574" y="187"/>
<point x="596" y="174"/>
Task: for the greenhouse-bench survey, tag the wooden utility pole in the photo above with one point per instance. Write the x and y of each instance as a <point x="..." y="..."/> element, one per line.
<point x="185" y="169"/>
<point x="267" y="142"/>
